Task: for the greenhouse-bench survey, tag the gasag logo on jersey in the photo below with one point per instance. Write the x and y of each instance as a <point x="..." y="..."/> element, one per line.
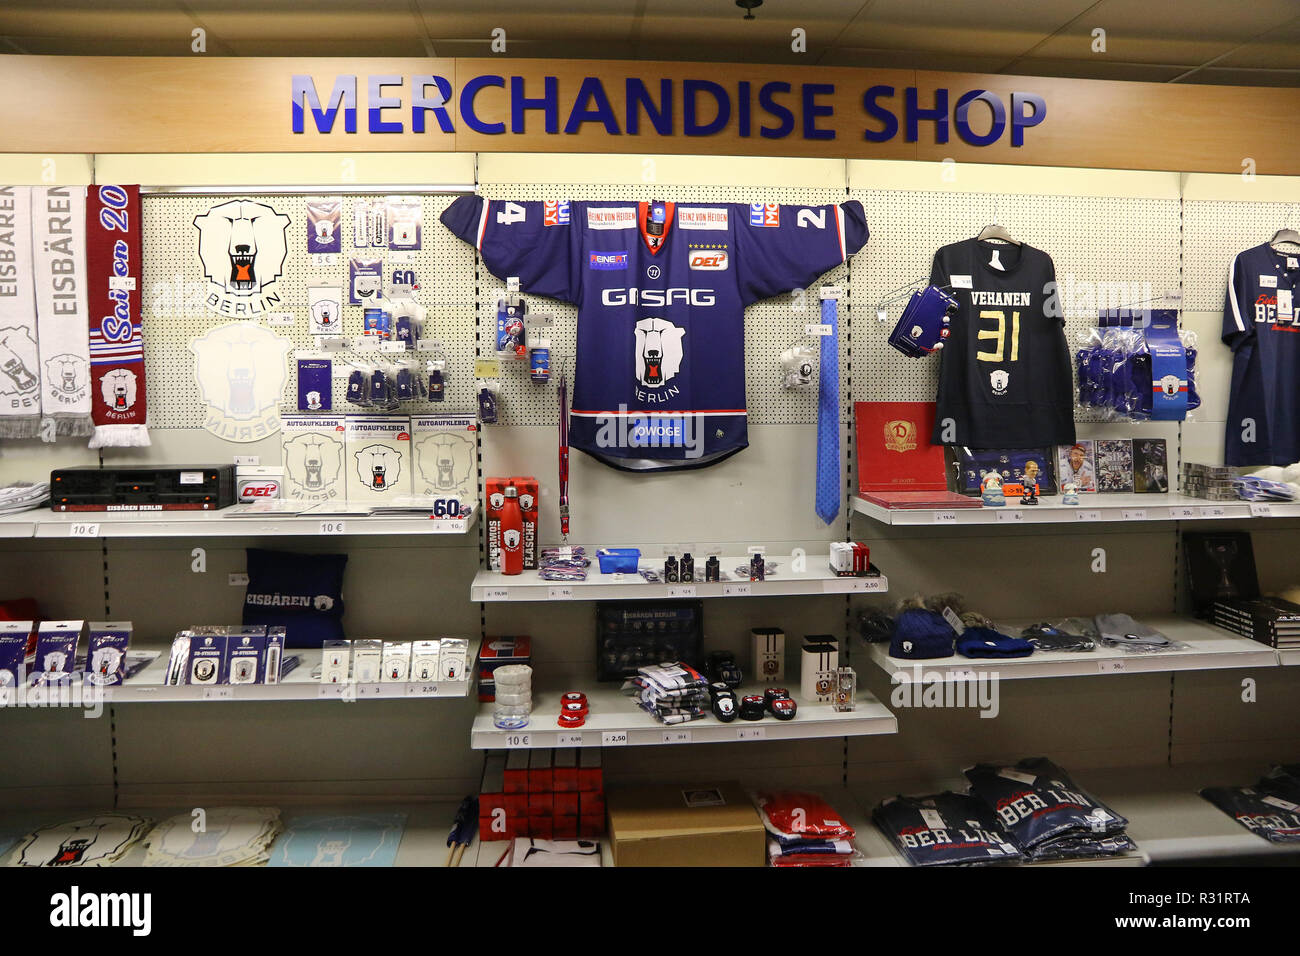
<point x="999" y="379"/>
<point x="242" y="249"/>
<point x="708" y="260"/>
<point x="611" y="217"/>
<point x="711" y="218"/>
<point x="658" y="298"/>
<point x="555" y="212"/>
<point x="609" y="261"/>
<point x="764" y="214"/>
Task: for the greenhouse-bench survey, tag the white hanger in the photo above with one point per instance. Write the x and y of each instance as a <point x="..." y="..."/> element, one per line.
<point x="1286" y="234"/>
<point x="995" y="231"/>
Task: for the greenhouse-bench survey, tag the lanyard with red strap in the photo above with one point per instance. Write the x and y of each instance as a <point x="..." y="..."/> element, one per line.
<point x="562" y="389"/>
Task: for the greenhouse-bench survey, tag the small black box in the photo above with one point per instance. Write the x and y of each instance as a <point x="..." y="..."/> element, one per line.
<point x="143" y="488"/>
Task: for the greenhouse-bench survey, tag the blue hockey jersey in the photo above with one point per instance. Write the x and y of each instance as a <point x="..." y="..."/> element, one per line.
<point x="661" y="290"/>
<point x="1260" y="324"/>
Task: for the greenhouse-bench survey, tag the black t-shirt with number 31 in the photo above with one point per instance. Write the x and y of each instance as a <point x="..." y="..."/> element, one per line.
<point x="1005" y="376"/>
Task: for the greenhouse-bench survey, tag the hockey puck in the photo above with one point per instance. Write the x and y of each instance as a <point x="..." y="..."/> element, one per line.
<point x="751" y="707"/>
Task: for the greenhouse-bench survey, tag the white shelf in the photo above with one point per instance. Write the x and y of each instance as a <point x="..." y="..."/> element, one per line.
<point x="147" y="686"/>
<point x="43" y="523"/>
<point x="1212" y="648"/>
<point x="614" y="713"/>
<point x="1092" y="507"/>
<point x="1289" y="657"/>
<point x="816" y="579"/>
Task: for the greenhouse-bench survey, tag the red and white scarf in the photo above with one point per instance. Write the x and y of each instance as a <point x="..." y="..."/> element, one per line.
<point x="113" y="257"/>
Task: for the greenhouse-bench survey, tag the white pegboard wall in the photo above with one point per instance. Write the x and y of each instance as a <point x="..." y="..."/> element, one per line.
<point x="1091" y="239"/>
<point x="771" y="326"/>
<point x="174" y="311"/>
<point x="1214" y="231"/>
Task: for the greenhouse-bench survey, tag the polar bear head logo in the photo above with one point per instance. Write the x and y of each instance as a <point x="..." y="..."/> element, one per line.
<point x="446" y="462"/>
<point x="242" y="245"/>
<point x="378" y="466"/>
<point x="313" y="462"/>
<point x="999" y="379"/>
<point x="240" y="368"/>
<point x="117" y="389"/>
<point x="66" y="373"/>
<point x="325" y="312"/>
<point x="658" y="351"/>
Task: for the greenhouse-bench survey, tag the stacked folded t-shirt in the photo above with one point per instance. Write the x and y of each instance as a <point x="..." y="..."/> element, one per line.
<point x="1031" y="811"/>
<point x="1270" y="809"/>
<point x="804" y="830"/>
<point x="671" y="693"/>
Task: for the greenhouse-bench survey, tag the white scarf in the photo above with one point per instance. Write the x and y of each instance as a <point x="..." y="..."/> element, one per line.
<point x="20" y="400"/>
<point x="59" y="255"/>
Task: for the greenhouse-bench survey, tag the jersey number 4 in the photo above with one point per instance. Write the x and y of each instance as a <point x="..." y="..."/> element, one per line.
<point x="999" y="336"/>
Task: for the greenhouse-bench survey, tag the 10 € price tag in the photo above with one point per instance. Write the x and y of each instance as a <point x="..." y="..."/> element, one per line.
<point x="83" y="530"/>
<point x="332" y="527"/>
<point x="519" y="740"/>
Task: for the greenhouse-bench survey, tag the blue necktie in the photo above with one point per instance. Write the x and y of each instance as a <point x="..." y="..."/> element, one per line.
<point x="828" y="419"/>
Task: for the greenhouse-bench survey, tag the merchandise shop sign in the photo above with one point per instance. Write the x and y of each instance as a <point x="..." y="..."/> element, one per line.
<point x="774" y="107"/>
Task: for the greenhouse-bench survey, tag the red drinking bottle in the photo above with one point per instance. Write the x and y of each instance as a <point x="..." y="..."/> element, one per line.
<point x="512" y="533"/>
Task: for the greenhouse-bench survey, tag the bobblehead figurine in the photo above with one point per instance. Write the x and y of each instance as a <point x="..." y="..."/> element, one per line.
<point x="1030" y="483"/>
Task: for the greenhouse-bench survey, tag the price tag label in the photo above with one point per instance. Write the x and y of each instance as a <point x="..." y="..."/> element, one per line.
<point x="681" y="590"/>
<point x="1182" y="512"/>
<point x="322" y="260"/>
<point x="568" y="740"/>
<point x="1087" y="515"/>
<point x="330" y="691"/>
<point x="237" y="579"/>
<point x="279" y="318"/>
<point x="1011" y="516"/>
<point x="487" y="368"/>
<point x="819" y="328"/>
<point x="738" y="589"/>
<point x="368" y="689"/>
<point x="751" y="733"/>
<point x="613" y="738"/>
<point x="393" y="347"/>
<point x="1214" y="511"/>
<point x="1112" y="667"/>
<point x="219" y="693"/>
<point x="519" y="740"/>
<point x="847" y="585"/>
<point x="1135" y="514"/>
<point x="677" y="736"/>
<point x="945" y="517"/>
<point x="121" y="283"/>
<point x="79" y="530"/>
<point x="1261" y="509"/>
<point x="966" y="675"/>
<point x="333" y="527"/>
<point x="496" y="594"/>
<point x="421" y="690"/>
<point x="756" y="549"/>
<point x="564" y="593"/>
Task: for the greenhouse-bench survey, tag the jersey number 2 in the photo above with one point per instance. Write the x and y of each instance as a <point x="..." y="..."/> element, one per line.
<point x="999" y="336"/>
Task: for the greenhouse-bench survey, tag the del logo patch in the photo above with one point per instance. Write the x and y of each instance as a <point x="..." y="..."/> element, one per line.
<point x="708" y="260"/>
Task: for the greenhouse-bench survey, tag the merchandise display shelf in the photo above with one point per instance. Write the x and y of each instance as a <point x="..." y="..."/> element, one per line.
<point x="423" y="843"/>
<point x="298" y="684"/>
<point x="1212" y="648"/>
<point x="1091" y="508"/>
<point x="816" y="579"/>
<point x="1289" y="658"/>
<point x="183" y="524"/>
<point x="616" y="721"/>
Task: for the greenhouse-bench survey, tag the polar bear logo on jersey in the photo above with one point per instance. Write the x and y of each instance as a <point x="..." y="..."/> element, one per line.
<point x="658" y="351"/>
<point x="378" y="467"/>
<point x="446" y="463"/>
<point x="312" y="463"/>
<point x="999" y="379"/>
<point x="240" y="369"/>
<point x="118" y="389"/>
<point x="242" y="245"/>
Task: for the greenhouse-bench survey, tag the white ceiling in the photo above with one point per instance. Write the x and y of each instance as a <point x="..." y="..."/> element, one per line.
<point x="1251" y="42"/>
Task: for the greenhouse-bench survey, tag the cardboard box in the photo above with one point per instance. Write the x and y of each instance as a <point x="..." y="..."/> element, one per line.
<point x="566" y="804"/>
<point x="496" y="652"/>
<point x="541" y="804"/>
<point x="517" y="771"/>
<point x="541" y="777"/>
<point x="566" y="771"/>
<point x="564" y="828"/>
<point x="712" y="824"/>
<point x="590" y="777"/>
<point x="768" y="661"/>
<point x="444" y="449"/>
<point x="311" y="448"/>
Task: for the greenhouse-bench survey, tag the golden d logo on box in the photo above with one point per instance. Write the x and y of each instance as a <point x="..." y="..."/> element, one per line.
<point x="242" y="249"/>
